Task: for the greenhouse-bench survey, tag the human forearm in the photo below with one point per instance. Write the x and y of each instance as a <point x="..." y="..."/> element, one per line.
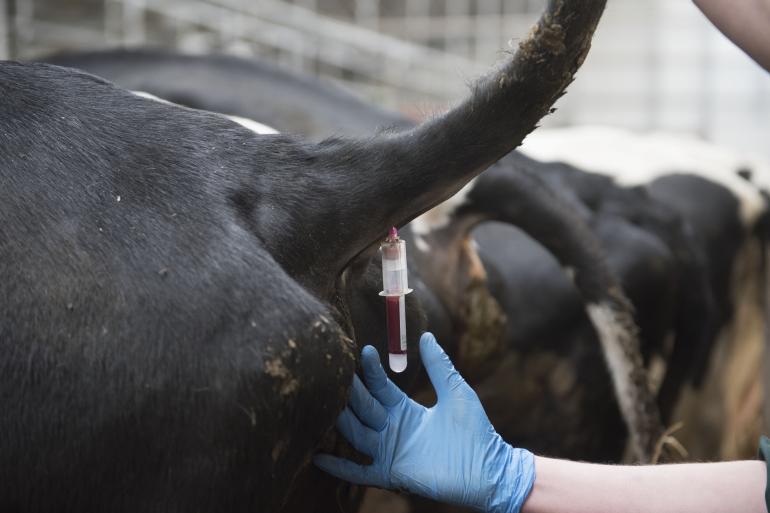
<point x="745" y="22"/>
<point x="564" y="486"/>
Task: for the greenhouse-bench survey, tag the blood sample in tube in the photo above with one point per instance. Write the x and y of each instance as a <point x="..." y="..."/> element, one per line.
<point x="394" y="287"/>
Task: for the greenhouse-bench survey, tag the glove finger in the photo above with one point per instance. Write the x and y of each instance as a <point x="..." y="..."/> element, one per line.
<point x="362" y="438"/>
<point x="367" y="408"/>
<point x="344" y="469"/>
<point x="377" y="381"/>
<point x="442" y="373"/>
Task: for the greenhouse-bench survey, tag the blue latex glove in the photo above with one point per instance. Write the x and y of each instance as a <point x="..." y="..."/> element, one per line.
<point x="449" y="453"/>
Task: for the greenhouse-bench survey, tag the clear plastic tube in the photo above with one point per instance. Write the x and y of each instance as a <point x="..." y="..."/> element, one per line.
<point x="395" y="285"/>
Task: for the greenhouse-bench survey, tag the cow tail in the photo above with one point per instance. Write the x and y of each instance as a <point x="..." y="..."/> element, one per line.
<point x="522" y="199"/>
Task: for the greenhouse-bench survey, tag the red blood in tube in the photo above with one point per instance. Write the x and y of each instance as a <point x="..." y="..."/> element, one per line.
<point x="394" y="325"/>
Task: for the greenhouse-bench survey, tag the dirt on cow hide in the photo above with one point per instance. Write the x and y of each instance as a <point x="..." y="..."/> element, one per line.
<point x="481" y="344"/>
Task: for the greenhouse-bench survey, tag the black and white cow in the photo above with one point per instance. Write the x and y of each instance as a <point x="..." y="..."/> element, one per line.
<point x="175" y="288"/>
<point x="720" y="197"/>
<point x="461" y="308"/>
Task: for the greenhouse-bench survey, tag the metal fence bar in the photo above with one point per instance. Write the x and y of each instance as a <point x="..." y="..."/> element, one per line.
<point x="319" y="25"/>
<point x="133" y="22"/>
<point x="19" y="14"/>
<point x="378" y="57"/>
<point x="5" y="36"/>
<point x="112" y="21"/>
<point x="366" y="14"/>
<point x="488" y="29"/>
<point x="653" y="64"/>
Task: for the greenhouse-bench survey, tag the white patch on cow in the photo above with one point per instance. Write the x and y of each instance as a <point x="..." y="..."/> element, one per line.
<point x="635" y="159"/>
<point x="611" y="333"/>
<point x="439" y="216"/>
<point x="421" y="244"/>
<point x="254" y="126"/>
<point x="152" y="97"/>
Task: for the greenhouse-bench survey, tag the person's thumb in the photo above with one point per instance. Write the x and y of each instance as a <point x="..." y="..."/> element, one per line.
<point x="442" y="373"/>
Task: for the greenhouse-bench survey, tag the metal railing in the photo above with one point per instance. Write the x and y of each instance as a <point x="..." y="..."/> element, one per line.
<point x="369" y="51"/>
<point x="654" y="64"/>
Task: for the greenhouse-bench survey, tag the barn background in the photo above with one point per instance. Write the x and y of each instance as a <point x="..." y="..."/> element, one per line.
<point x="656" y="64"/>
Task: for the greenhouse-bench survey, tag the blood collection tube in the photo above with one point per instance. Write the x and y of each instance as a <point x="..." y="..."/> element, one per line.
<point x="395" y="286"/>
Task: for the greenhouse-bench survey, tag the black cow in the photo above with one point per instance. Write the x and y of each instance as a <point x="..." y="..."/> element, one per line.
<point x="175" y="326"/>
<point x="672" y="274"/>
<point x="462" y="309"/>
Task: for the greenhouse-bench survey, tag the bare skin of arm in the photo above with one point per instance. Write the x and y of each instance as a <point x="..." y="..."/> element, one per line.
<point x="565" y="486"/>
<point x="745" y="22"/>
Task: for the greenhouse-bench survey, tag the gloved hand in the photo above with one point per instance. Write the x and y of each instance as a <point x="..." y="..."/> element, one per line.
<point x="450" y="452"/>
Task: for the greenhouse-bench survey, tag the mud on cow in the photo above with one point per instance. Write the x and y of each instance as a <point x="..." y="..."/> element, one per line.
<point x="176" y="329"/>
